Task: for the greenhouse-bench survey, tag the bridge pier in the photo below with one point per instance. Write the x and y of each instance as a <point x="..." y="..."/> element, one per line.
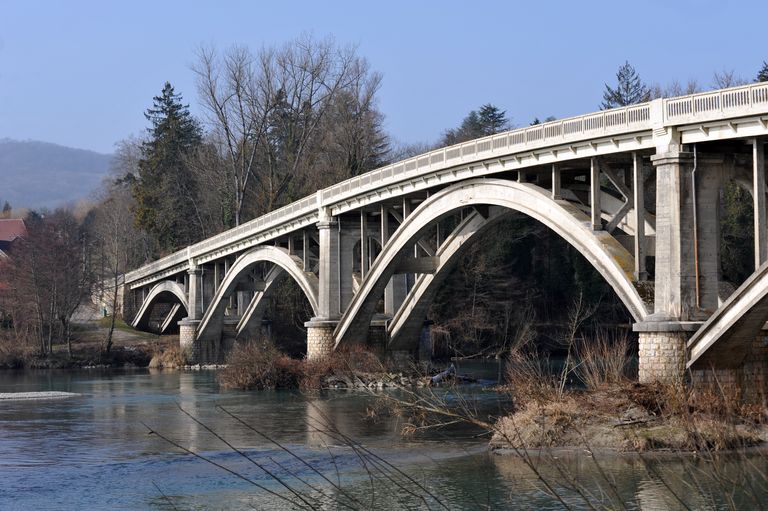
<point x="687" y="259"/>
<point x="662" y="357"/>
<point x="320" y="340"/>
<point x="188" y="335"/>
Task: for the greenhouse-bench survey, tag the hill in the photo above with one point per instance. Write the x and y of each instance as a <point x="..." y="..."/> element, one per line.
<point x="42" y="175"/>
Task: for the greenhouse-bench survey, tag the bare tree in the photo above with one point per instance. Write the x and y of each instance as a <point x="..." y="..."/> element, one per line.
<point x="265" y="114"/>
<point x="50" y="275"/>
<point x="725" y="79"/>
<point x="115" y="250"/>
<point x="675" y="88"/>
<point x="237" y="115"/>
<point x="353" y="139"/>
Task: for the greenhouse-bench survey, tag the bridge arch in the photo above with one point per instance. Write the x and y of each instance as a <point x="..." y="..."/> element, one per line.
<point x="250" y="321"/>
<point x="408" y="320"/>
<point x="211" y="323"/>
<point x="603" y="251"/>
<point x="166" y="290"/>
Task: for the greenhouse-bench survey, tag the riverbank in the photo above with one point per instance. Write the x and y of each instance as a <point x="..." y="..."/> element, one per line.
<point x="630" y="417"/>
<point x="130" y="348"/>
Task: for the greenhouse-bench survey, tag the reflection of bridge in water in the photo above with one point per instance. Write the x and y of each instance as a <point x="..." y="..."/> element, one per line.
<point x="394" y="233"/>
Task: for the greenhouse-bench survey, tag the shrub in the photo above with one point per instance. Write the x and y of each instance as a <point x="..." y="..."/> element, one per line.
<point x="13" y="355"/>
<point x="259" y="365"/>
<point x="602" y="360"/>
<point x="172" y="357"/>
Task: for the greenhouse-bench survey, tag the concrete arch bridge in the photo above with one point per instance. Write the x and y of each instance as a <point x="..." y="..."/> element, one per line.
<point x="621" y="186"/>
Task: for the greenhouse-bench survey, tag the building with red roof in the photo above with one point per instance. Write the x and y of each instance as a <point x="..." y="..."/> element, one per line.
<point x="11" y="229"/>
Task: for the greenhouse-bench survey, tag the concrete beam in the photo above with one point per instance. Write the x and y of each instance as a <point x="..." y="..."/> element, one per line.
<point x="194" y="294"/>
<point x="594" y="194"/>
<point x="329" y="290"/>
<point x="758" y="198"/>
<point x="639" y="216"/>
<point x="556" y="182"/>
<point x="364" y="243"/>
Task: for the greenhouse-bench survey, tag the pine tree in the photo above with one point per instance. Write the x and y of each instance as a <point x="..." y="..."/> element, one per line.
<point x="492" y="120"/>
<point x="762" y="75"/>
<point x="629" y="89"/>
<point x="487" y="120"/>
<point x="165" y="191"/>
<point x="7" y="210"/>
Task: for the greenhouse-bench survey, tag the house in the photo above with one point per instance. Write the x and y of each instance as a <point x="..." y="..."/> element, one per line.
<point x="11" y="229"/>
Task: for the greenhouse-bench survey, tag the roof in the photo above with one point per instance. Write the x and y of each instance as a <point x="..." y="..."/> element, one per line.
<point x="12" y="228"/>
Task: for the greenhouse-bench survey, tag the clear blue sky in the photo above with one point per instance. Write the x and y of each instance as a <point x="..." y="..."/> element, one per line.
<point x="80" y="73"/>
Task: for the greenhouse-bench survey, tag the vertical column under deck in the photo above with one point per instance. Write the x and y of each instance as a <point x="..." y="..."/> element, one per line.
<point x="594" y="194"/>
<point x="188" y="325"/>
<point x="758" y="197"/>
<point x="320" y="329"/>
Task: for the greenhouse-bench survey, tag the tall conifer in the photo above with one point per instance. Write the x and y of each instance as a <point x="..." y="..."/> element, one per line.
<point x="166" y="191"/>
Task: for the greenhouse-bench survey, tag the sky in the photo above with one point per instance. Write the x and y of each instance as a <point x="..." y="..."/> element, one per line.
<point x="81" y="73"/>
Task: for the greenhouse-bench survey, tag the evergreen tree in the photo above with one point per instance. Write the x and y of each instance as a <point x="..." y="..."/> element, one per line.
<point x="487" y="120"/>
<point x="629" y="89"/>
<point x="762" y="75"/>
<point x="165" y="191"/>
<point x="7" y="210"/>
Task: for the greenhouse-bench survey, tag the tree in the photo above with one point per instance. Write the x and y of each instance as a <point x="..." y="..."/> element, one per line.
<point x="284" y="121"/>
<point x="116" y="248"/>
<point x="49" y="277"/>
<point x="762" y="75"/>
<point x="7" y="210"/>
<point x="166" y="191"/>
<point x="674" y="88"/>
<point x="536" y="120"/>
<point x="487" y="120"/>
<point x="352" y="139"/>
<point x="629" y="89"/>
<point x="725" y="79"/>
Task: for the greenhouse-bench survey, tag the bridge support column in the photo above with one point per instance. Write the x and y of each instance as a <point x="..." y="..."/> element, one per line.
<point x="320" y="340"/>
<point x="662" y="357"/>
<point x="188" y="326"/>
<point x="687" y="235"/>
<point x="188" y="336"/>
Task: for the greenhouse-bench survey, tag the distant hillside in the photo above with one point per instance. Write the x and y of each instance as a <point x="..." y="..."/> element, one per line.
<point x="38" y="174"/>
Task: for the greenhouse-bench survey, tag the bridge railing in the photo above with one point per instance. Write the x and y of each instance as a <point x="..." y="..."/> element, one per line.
<point x="293" y="210"/>
<point x="607" y="122"/>
<point x="297" y="209"/>
<point x="699" y="107"/>
<point x="715" y="104"/>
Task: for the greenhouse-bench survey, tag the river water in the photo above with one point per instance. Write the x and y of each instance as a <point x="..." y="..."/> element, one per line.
<point x="95" y="452"/>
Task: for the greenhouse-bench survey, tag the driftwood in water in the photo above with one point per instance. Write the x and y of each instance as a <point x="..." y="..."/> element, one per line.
<point x="450" y="375"/>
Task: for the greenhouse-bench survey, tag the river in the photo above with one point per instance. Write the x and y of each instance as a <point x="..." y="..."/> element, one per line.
<point x="95" y="452"/>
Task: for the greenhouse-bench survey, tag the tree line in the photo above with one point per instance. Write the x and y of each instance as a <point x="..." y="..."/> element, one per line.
<point x="280" y="123"/>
